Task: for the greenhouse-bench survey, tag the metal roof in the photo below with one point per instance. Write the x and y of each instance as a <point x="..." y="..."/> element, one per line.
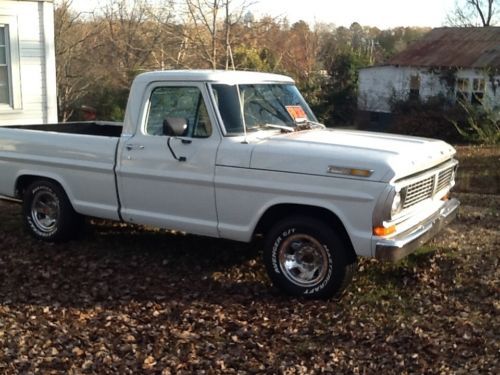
<point x="461" y="47"/>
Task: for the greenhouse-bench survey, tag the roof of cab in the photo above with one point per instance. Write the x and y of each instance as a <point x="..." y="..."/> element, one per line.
<point x="220" y="76"/>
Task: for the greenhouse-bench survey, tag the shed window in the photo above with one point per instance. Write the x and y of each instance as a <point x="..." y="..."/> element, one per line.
<point x="415" y="87"/>
<point x="4" y="66"/>
<point x="478" y="85"/>
<point x="463" y="89"/>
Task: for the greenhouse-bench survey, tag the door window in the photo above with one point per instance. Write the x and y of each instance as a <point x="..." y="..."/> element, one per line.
<point x="180" y="103"/>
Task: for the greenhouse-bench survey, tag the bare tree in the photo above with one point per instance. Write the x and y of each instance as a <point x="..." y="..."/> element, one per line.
<point x="471" y="13"/>
<point x="72" y="36"/>
<point x="202" y="28"/>
<point x="227" y="25"/>
<point x="171" y="49"/>
<point x="132" y="36"/>
<point x="208" y="29"/>
<point x="232" y="18"/>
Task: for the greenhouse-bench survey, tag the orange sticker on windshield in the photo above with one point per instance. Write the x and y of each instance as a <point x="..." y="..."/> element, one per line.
<point x="296" y="112"/>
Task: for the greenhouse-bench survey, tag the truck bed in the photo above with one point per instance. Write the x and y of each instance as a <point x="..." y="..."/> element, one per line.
<point x="80" y="156"/>
<point x="98" y="128"/>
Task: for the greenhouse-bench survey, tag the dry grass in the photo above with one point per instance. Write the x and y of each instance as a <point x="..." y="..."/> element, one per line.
<point x="126" y="299"/>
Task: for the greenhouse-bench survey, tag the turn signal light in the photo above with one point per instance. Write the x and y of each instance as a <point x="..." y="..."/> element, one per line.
<point x="383" y="231"/>
<point x="446" y="197"/>
<point x="361" y="172"/>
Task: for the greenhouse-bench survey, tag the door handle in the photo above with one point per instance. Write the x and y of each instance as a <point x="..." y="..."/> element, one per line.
<point x="132" y="147"/>
<point x="178" y="158"/>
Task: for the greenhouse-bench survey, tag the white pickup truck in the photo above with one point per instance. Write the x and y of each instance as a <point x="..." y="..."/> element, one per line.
<point x="235" y="155"/>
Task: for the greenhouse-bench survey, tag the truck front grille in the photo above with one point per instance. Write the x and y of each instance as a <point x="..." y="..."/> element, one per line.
<point x="419" y="191"/>
<point x="444" y="178"/>
<point x="429" y="185"/>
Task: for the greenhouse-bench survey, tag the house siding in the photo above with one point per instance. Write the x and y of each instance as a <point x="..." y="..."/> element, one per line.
<point x="36" y="67"/>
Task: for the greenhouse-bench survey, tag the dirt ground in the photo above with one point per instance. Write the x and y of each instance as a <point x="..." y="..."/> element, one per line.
<point x="126" y="299"/>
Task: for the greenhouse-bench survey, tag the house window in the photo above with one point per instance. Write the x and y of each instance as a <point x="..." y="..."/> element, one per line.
<point x="478" y="85"/>
<point x="463" y="90"/>
<point x="10" y="77"/>
<point x="414" y="87"/>
<point x="4" y="66"/>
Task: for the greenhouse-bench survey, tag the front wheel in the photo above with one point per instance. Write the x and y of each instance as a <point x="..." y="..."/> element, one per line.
<point x="305" y="257"/>
<point x="48" y="213"/>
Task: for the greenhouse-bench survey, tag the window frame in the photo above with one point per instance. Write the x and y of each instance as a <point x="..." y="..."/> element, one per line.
<point x="471" y="89"/>
<point x="6" y="64"/>
<point x="222" y="127"/>
<point x="478" y="90"/>
<point x="463" y="89"/>
<point x="204" y="93"/>
<point x="414" y="87"/>
<point x="13" y="63"/>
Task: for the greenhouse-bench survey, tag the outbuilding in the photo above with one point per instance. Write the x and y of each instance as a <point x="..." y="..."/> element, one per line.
<point x="27" y="62"/>
<point x="459" y="63"/>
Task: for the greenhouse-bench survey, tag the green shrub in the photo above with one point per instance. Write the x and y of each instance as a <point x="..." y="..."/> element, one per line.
<point x="437" y="117"/>
<point x="432" y="118"/>
<point x="482" y="123"/>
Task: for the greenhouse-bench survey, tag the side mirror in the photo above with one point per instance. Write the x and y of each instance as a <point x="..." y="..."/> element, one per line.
<point x="175" y="126"/>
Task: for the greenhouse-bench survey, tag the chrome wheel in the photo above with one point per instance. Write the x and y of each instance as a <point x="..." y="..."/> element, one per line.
<point x="45" y="210"/>
<point x="303" y="260"/>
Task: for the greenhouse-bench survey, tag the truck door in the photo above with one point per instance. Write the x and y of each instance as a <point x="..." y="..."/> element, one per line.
<point x="166" y="169"/>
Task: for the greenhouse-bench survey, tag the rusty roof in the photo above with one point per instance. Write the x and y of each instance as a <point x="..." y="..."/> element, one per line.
<point x="461" y="47"/>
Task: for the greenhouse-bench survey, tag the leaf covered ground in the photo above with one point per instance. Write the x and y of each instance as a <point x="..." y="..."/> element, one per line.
<point x="126" y="299"/>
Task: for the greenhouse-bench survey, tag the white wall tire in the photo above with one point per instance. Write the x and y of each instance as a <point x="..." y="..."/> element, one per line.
<point x="48" y="214"/>
<point x="305" y="257"/>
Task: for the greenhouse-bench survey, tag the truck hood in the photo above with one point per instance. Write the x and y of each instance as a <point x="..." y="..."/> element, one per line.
<point x="389" y="156"/>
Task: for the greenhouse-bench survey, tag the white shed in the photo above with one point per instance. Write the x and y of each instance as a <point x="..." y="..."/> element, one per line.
<point x="27" y="62"/>
<point x="455" y="62"/>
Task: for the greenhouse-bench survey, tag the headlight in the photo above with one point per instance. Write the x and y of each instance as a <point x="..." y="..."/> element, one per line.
<point x="453" y="175"/>
<point x="398" y="202"/>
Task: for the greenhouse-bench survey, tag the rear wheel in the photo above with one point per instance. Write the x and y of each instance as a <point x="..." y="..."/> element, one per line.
<point x="305" y="257"/>
<point x="48" y="214"/>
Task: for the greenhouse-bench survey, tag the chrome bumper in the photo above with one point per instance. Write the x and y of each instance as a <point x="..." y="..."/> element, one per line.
<point x="401" y="245"/>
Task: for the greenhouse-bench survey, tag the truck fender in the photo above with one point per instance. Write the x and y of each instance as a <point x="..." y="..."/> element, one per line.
<point x="34" y="175"/>
<point x="311" y="207"/>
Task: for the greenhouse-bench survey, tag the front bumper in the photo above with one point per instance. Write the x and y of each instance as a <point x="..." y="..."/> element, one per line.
<point x="401" y="245"/>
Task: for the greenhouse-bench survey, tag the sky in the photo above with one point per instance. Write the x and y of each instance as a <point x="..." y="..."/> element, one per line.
<point x="379" y="13"/>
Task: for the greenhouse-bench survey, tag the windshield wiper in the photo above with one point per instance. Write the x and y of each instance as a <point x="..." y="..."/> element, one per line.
<point x="273" y="126"/>
<point x="307" y="125"/>
<point x="315" y="124"/>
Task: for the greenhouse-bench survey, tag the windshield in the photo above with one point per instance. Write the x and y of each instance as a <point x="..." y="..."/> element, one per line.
<point x="264" y="106"/>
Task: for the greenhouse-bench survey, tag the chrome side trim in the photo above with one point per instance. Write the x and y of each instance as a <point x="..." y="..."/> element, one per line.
<point x="401" y="245"/>
<point x="10" y="199"/>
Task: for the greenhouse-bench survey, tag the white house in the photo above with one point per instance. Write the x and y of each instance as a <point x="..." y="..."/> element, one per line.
<point x="27" y="62"/>
<point x="455" y="62"/>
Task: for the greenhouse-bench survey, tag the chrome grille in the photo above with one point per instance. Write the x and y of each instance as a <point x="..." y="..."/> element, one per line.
<point x="444" y="178"/>
<point x="432" y="182"/>
<point x="419" y="191"/>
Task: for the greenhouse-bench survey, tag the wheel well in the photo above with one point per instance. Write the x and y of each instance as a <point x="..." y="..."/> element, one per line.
<point x="281" y="211"/>
<point x="23" y="182"/>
